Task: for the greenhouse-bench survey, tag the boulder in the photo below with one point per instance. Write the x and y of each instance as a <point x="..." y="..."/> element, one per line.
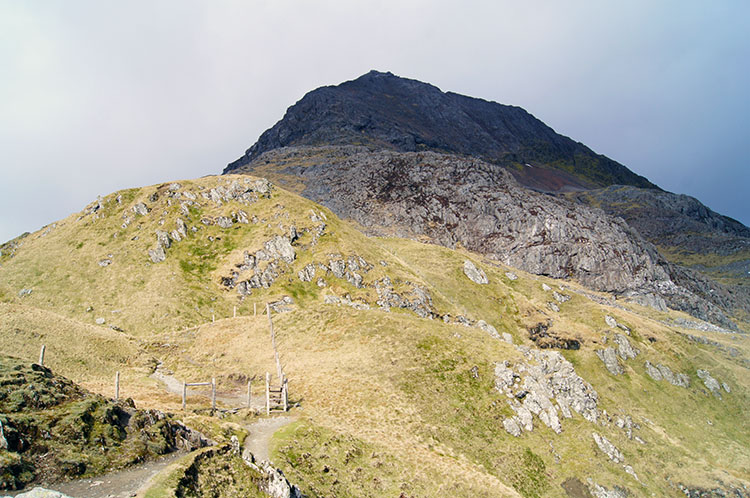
<point x="475" y="274"/>
<point x="608" y="448"/>
<point x="609" y="358"/>
<point x="624" y="349"/>
<point x="488" y="328"/>
<point x="280" y="248"/>
<point x="307" y="273"/>
<point x="710" y="383"/>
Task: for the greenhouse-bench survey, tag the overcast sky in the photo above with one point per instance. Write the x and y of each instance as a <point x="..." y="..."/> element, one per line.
<point x="97" y="96"/>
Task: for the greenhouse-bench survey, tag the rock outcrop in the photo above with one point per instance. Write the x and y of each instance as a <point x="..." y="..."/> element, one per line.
<point x="455" y="201"/>
<point x="545" y="385"/>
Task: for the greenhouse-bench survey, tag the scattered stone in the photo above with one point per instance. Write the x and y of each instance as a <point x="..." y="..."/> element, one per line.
<point x="242" y="217"/>
<point x="354" y="278"/>
<point x="307" y="273"/>
<point x="140" y="209"/>
<point x="629" y="470"/>
<point x="507" y="338"/>
<point x="157" y="254"/>
<point x="282" y="305"/>
<point x="602" y="492"/>
<point x="321" y="282"/>
<point x="546" y="287"/>
<point x="660" y="372"/>
<point x="224" y="222"/>
<point x="105" y="262"/>
<point x="511" y="276"/>
<point x="280" y="247"/>
<point x="162" y="238"/>
<point x="611" y="322"/>
<point x="511" y="426"/>
<point x="560" y="298"/>
<point x="474" y="372"/>
<point x="40" y="492"/>
<point x="174" y="187"/>
<point x="608" y="448"/>
<point x="488" y="328"/>
<point x="25" y="292"/>
<point x="609" y="358"/>
<point x="553" y="306"/>
<point x="624" y="349"/>
<point x="337" y="266"/>
<point x="710" y="383"/>
<point x="475" y="274"/>
<point x="545" y="338"/>
<point x="726" y="387"/>
<point x="100" y="321"/>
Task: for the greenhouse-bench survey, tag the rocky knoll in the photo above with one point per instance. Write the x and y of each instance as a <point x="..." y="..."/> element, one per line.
<point x="462" y="201"/>
<point x="381" y="110"/>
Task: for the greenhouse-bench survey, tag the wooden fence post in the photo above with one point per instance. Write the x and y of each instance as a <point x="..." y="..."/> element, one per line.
<point x="213" y="393"/>
<point x="117" y="386"/>
<point x="268" y="393"/>
<point x="285" y="388"/>
<point x="184" y="394"/>
<point x="234" y="313"/>
<point x="213" y="318"/>
<point x="249" y="393"/>
<point x="255" y="309"/>
<point x="41" y="355"/>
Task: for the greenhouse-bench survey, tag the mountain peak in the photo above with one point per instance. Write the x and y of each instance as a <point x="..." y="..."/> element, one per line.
<point x="380" y="110"/>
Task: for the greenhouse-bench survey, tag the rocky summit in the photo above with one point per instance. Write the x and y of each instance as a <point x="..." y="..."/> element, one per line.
<point x="402" y="157"/>
<point x="380" y="110"/>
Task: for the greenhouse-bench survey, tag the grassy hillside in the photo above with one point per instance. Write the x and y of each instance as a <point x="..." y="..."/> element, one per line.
<point x="388" y="402"/>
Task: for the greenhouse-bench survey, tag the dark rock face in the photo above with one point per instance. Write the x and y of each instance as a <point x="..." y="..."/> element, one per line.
<point x="452" y="200"/>
<point x="383" y="111"/>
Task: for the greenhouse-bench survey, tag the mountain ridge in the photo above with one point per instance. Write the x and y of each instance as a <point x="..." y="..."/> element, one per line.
<point x="382" y="110"/>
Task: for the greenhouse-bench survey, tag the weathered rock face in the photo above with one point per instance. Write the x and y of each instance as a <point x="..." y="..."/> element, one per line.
<point x="453" y="200"/>
<point x="405" y="115"/>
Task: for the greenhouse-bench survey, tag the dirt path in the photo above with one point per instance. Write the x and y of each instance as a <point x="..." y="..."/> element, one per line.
<point x="261" y="432"/>
<point x="121" y="484"/>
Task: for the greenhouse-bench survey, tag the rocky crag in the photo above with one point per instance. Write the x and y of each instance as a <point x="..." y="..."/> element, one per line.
<point x="455" y="201"/>
<point x="361" y="143"/>
<point x="384" y="111"/>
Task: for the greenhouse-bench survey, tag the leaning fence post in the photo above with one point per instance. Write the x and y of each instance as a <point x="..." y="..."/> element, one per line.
<point x="268" y="393"/>
<point x="213" y="394"/>
<point x="248" y="395"/>
<point x="117" y="386"/>
<point x="41" y="355"/>
<point x="184" y="394"/>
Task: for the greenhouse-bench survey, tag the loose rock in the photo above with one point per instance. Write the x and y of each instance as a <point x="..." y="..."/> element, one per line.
<point x="475" y="274"/>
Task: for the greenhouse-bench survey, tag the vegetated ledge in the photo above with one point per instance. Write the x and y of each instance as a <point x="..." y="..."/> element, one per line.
<point x="53" y="430"/>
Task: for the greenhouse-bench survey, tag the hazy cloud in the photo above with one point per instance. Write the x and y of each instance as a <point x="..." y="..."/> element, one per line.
<point x="99" y="96"/>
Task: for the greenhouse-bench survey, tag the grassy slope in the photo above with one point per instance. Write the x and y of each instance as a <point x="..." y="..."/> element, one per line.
<point x="387" y="401"/>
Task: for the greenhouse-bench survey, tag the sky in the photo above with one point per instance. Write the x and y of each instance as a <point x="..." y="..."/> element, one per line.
<point x="97" y="96"/>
